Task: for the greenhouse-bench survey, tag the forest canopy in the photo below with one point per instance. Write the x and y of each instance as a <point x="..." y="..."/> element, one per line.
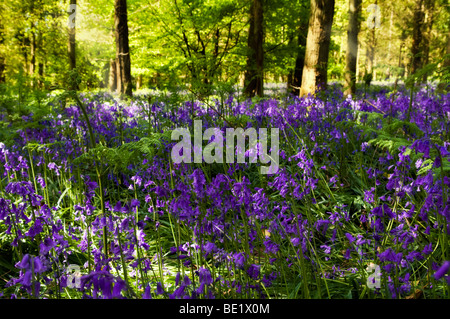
<point x="199" y="45"/>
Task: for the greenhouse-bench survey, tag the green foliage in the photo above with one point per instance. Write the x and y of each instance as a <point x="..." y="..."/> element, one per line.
<point x="119" y="158"/>
<point x="392" y="134"/>
<point x="239" y="121"/>
<point x="196" y="44"/>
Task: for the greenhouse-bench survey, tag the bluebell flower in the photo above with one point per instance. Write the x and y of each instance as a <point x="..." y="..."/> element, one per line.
<point x="147" y="294"/>
<point x="253" y="271"/>
<point x="159" y="288"/>
<point x="442" y="270"/>
<point x="205" y="276"/>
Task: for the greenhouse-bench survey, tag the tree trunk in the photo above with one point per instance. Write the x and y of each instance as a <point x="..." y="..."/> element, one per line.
<point x="112" y="82"/>
<point x="443" y="85"/>
<point x="25" y="44"/>
<point x="295" y="79"/>
<point x="352" y="46"/>
<point x="139" y="82"/>
<point x="33" y="55"/>
<point x="122" y="48"/>
<point x="32" y="47"/>
<point x="317" y="45"/>
<point x="428" y="26"/>
<point x="447" y="60"/>
<point x="418" y="19"/>
<point x="254" y="81"/>
<point x="370" y="52"/>
<point x="41" y="74"/>
<point x="2" y="69"/>
<point x="2" y="58"/>
<point x="71" y="43"/>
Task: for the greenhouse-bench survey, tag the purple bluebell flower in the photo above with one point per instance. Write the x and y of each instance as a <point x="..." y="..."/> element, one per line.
<point x="205" y="276"/>
<point x="253" y="271"/>
<point x="159" y="288"/>
<point x="147" y="294"/>
<point x="445" y="268"/>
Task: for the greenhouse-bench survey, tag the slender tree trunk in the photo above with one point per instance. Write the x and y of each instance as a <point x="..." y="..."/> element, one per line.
<point x="295" y="79"/>
<point x="443" y="85"/>
<point x="428" y="26"/>
<point x="317" y="45"/>
<point x="112" y="82"/>
<point x="72" y="42"/>
<point x="391" y="27"/>
<point x="41" y="74"/>
<point x="352" y="46"/>
<point x="400" y="59"/>
<point x="2" y="58"/>
<point x="25" y="46"/>
<point x="370" y="51"/>
<point x="447" y="60"/>
<point x="249" y="83"/>
<point x="139" y="82"/>
<point x="122" y="48"/>
<point x="418" y="19"/>
<point x="32" y="43"/>
<point x="33" y="55"/>
<point x="254" y="80"/>
<point x="259" y="38"/>
<point x="2" y="69"/>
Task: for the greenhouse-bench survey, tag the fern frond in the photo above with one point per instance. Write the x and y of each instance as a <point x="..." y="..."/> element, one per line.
<point x="119" y="158"/>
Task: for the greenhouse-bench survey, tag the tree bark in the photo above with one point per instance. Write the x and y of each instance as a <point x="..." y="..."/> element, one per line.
<point x="314" y="75"/>
<point x="139" y="82"/>
<point x="71" y="44"/>
<point x="295" y="79"/>
<point x="24" y="48"/>
<point x="254" y="75"/>
<point x="41" y="74"/>
<point x="122" y="48"/>
<point x="418" y="19"/>
<point x="447" y="60"/>
<point x="428" y="26"/>
<point x="2" y="69"/>
<point x="352" y="46"/>
<point x="370" y="52"/>
<point x="112" y="82"/>
<point x="443" y="84"/>
<point x="33" y="54"/>
<point x="2" y="58"/>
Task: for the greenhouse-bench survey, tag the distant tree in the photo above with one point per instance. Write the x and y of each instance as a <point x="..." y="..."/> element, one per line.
<point x="317" y="46"/>
<point x="72" y="41"/>
<point x="2" y="58"/>
<point x="418" y="19"/>
<point x="254" y="79"/>
<point x="112" y="80"/>
<point x="71" y="44"/>
<point x="429" y="19"/>
<point x="123" y="61"/>
<point x="352" y="46"/>
<point x="198" y="42"/>
<point x="447" y="59"/>
<point x="33" y="49"/>
<point x="295" y="78"/>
